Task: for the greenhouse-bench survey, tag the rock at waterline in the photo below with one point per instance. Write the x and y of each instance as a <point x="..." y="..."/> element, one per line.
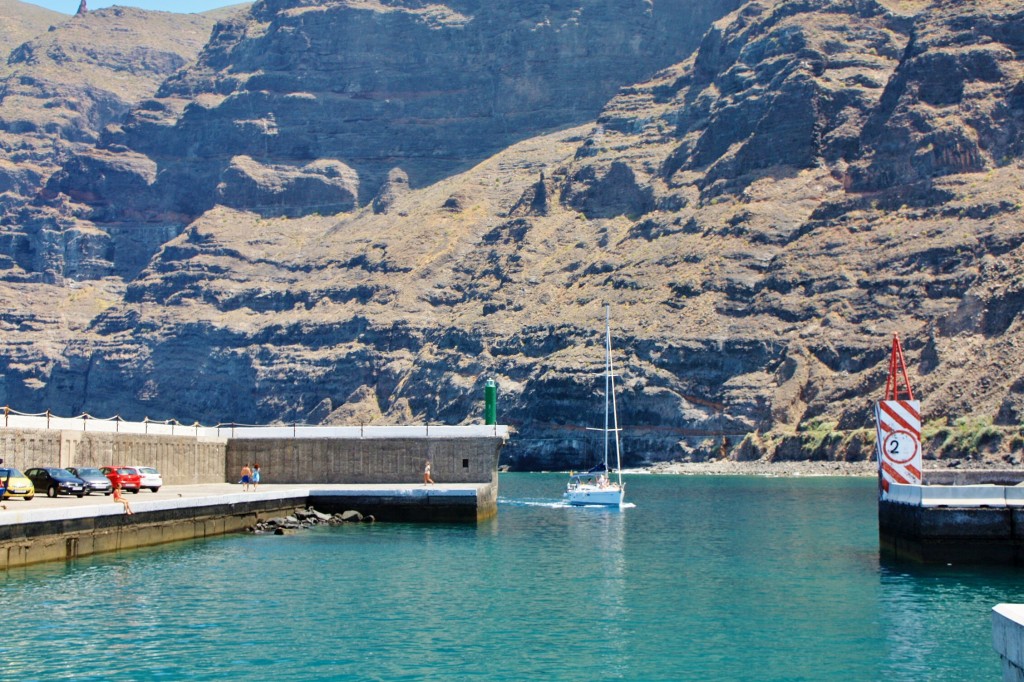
<point x="306" y="518"/>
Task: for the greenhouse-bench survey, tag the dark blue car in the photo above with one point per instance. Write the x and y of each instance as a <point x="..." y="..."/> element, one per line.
<point x="56" y="481"/>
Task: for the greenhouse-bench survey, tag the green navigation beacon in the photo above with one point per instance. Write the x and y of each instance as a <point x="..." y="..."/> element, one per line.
<point x="490" y="402"/>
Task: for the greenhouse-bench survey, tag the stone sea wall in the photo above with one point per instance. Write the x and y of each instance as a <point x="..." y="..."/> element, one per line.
<point x="180" y="459"/>
<point x="370" y="460"/>
<point x="189" y="459"/>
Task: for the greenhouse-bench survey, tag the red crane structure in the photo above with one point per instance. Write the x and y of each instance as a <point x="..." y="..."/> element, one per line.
<point x="897" y="371"/>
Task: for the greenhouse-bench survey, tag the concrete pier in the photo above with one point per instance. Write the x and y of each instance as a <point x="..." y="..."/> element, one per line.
<point x="977" y="518"/>
<point x="1008" y="639"/>
<point x="65" y="528"/>
<point x="374" y="470"/>
<point x="286" y="454"/>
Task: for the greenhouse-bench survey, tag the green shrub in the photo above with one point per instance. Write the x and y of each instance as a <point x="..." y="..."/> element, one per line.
<point x="969" y="435"/>
<point x="934" y="429"/>
<point x="817" y="431"/>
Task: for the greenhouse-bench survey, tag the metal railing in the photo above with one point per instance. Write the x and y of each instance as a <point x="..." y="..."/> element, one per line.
<point x="171" y="427"/>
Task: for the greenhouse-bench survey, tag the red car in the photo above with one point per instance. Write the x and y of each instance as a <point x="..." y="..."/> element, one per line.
<point x="127" y="477"/>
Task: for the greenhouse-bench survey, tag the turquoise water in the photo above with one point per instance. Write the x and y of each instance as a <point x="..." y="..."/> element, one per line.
<point x="707" y="578"/>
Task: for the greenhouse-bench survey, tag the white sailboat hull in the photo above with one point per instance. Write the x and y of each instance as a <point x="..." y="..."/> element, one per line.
<point x="586" y="495"/>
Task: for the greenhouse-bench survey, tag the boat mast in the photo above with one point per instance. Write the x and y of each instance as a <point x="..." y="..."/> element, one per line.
<point x="607" y="378"/>
<point x="610" y="391"/>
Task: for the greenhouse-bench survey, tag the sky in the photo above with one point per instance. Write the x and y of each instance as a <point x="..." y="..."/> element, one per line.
<point x="71" y="6"/>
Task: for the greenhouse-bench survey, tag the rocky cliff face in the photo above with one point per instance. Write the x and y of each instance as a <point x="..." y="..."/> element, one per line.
<point x="762" y="214"/>
<point x="430" y="89"/>
<point x="59" y="90"/>
<point x="822" y="175"/>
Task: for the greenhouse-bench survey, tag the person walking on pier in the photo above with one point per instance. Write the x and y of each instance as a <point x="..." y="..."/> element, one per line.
<point x="246" y="477"/>
<point x="255" y="476"/>
<point x="118" y="497"/>
<point x="427" y="480"/>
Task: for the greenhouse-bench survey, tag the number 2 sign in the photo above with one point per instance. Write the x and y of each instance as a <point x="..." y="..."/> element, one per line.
<point x="899" y="441"/>
<point x="900" y="447"/>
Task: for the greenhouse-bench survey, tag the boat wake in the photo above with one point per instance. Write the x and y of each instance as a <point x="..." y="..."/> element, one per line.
<point x="551" y="504"/>
<point x="624" y="505"/>
<point x="558" y="504"/>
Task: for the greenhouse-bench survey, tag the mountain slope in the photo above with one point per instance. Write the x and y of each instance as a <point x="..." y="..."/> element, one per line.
<point x="21" y="21"/>
<point x="762" y="216"/>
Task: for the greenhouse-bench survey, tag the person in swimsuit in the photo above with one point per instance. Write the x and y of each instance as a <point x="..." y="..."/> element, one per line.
<point x="246" y="477"/>
<point x="255" y="476"/>
<point x="426" y="474"/>
<point x="118" y="497"/>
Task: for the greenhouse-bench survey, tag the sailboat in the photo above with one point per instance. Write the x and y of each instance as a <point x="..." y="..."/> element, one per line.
<point x="594" y="486"/>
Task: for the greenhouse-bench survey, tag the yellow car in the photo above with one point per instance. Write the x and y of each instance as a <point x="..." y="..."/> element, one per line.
<point x="17" y="484"/>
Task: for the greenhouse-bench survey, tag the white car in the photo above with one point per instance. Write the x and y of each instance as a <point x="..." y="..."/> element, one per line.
<point x="150" y="478"/>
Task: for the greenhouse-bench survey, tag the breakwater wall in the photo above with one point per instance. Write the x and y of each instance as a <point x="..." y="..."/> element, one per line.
<point x="965" y="520"/>
<point x="286" y="454"/>
<point x="366" y="460"/>
<point x="449" y="503"/>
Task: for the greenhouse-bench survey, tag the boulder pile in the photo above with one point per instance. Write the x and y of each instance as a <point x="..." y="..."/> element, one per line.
<point x="307" y="518"/>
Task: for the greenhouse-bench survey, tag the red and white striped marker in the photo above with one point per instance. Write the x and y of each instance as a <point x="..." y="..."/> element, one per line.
<point x="898" y="425"/>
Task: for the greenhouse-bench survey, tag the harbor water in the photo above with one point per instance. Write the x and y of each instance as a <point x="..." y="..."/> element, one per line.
<point x="706" y="578"/>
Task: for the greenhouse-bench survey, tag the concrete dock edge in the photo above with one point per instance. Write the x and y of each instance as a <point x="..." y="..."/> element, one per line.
<point x="1008" y="639"/>
<point x="68" y="529"/>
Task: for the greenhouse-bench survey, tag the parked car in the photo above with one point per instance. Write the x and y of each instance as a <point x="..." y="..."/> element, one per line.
<point x="56" y="481"/>
<point x="127" y="477"/>
<point x="95" y="481"/>
<point x="151" y="478"/>
<point x="18" y="485"/>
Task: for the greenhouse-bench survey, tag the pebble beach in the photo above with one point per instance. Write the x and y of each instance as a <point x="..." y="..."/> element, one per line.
<point x="760" y="468"/>
<point x="800" y="468"/>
